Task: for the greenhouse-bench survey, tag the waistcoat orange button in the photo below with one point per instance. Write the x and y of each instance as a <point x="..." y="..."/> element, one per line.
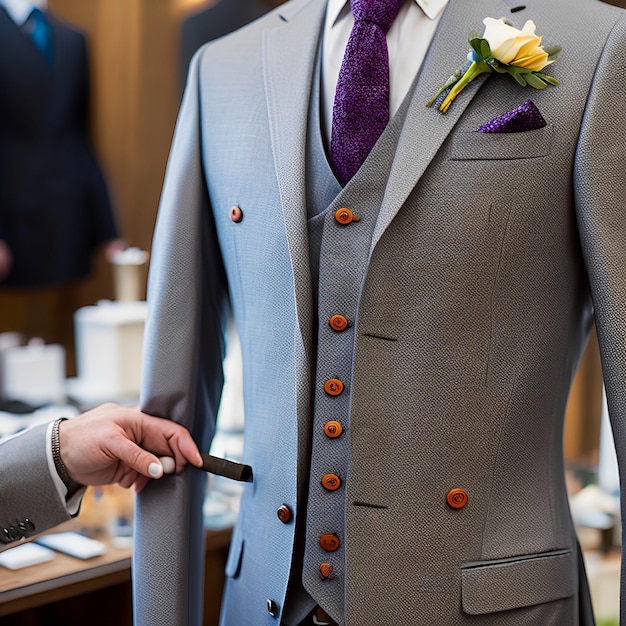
<point x="338" y="323"/>
<point x="329" y="542"/>
<point x="333" y="429"/>
<point x="331" y="482"/>
<point x="333" y="387"/>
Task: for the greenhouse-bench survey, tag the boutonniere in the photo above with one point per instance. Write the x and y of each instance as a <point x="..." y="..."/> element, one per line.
<point x="505" y="50"/>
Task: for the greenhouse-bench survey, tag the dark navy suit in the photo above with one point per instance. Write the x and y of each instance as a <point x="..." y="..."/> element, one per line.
<point x="54" y="205"/>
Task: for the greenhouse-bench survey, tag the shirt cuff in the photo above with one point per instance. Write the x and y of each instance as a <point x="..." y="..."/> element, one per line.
<point x="72" y="504"/>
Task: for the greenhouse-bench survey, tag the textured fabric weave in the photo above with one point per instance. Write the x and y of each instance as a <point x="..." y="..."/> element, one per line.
<point x="338" y="258"/>
<point x="470" y="321"/>
<point x="361" y="108"/>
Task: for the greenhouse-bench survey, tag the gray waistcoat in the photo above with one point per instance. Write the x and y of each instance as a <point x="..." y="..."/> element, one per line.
<point x="338" y="255"/>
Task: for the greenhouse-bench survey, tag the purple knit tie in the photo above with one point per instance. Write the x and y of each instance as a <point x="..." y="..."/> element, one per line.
<point x="361" y="107"/>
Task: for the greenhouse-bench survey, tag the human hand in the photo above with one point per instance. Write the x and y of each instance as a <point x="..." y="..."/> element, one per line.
<point x="6" y="260"/>
<point x="115" y="444"/>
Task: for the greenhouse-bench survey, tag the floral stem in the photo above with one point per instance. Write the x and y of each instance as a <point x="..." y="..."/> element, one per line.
<point x="449" y="83"/>
<point x="474" y="70"/>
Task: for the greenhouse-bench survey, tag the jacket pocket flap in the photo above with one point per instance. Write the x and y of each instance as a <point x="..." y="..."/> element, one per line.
<point x="491" y="586"/>
<point x="476" y="146"/>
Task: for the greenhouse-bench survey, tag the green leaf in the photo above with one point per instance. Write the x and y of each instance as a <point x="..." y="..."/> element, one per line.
<point x="475" y="45"/>
<point x="548" y="79"/>
<point x="534" y="81"/>
<point x="516" y="69"/>
<point x="485" y="49"/>
<point x="519" y="78"/>
<point x="553" y="52"/>
<point x="497" y="66"/>
<point x="474" y="34"/>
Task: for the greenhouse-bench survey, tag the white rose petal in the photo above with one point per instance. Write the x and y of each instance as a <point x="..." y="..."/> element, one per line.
<point x="506" y="41"/>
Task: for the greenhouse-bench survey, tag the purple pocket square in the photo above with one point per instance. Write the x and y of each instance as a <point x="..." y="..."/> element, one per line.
<point x="522" y="118"/>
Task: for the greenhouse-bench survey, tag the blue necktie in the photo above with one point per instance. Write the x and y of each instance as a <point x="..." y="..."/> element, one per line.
<point x="39" y="31"/>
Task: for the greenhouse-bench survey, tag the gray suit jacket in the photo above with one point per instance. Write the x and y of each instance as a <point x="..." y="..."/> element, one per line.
<point x="29" y="501"/>
<point x="490" y="256"/>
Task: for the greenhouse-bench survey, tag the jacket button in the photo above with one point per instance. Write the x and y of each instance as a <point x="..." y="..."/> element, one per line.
<point x="345" y="216"/>
<point x="331" y="482"/>
<point x="11" y="534"/>
<point x="333" y="387"/>
<point x="329" y="542"/>
<point x="333" y="429"/>
<point x="27" y="526"/>
<point x="284" y="514"/>
<point x="338" y="323"/>
<point x="272" y="608"/>
<point x="326" y="571"/>
<point x="457" y="498"/>
<point x="236" y="214"/>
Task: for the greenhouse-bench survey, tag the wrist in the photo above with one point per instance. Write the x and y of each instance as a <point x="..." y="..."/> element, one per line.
<point x="56" y="451"/>
<point x="59" y="465"/>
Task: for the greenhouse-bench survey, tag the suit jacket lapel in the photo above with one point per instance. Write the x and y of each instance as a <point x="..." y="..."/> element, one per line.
<point x="288" y="60"/>
<point x="13" y="37"/>
<point x="425" y="129"/>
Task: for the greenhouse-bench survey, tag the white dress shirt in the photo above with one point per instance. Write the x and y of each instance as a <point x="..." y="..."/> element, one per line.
<point x="408" y="40"/>
<point x="19" y="10"/>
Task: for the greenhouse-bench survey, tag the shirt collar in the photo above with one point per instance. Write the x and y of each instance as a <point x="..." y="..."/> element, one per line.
<point x="19" y="10"/>
<point x="337" y="8"/>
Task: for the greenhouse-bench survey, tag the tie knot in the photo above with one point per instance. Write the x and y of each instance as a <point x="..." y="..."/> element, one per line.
<point x="36" y="17"/>
<point x="380" y="12"/>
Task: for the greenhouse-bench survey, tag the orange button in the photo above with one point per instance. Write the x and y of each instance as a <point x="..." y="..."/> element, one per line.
<point x="345" y="216"/>
<point x="331" y="482"/>
<point x="457" y="498"/>
<point x="329" y="542"/>
<point x="326" y="571"/>
<point x="333" y="429"/>
<point x="284" y="514"/>
<point x="333" y="387"/>
<point x="338" y="323"/>
<point x="236" y="214"/>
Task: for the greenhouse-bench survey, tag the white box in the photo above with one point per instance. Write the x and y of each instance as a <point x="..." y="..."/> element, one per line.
<point x="34" y="374"/>
<point x="109" y="340"/>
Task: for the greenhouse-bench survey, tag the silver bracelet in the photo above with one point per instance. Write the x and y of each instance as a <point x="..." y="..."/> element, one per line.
<point x="56" y="453"/>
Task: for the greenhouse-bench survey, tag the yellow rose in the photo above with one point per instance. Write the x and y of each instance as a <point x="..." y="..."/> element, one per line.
<point x="513" y="46"/>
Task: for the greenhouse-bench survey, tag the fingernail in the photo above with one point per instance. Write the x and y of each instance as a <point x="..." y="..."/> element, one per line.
<point x="155" y="470"/>
<point x="169" y="464"/>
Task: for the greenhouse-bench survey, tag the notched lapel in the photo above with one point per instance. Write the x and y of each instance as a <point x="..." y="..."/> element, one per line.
<point x="425" y="129"/>
<point x="289" y="52"/>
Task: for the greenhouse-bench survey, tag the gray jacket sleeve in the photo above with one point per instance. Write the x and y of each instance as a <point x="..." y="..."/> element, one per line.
<point x="29" y="500"/>
<point x="601" y="210"/>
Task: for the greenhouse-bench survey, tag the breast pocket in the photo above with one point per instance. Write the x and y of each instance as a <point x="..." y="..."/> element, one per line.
<point x="524" y="581"/>
<point x="477" y="146"/>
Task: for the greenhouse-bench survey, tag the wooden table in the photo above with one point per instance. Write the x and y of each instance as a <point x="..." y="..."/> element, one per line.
<point x="71" y="589"/>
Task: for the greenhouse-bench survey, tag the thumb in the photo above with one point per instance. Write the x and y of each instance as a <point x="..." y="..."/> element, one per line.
<point x="137" y="458"/>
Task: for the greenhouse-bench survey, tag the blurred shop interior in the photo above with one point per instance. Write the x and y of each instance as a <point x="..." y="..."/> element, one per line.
<point x="67" y="345"/>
